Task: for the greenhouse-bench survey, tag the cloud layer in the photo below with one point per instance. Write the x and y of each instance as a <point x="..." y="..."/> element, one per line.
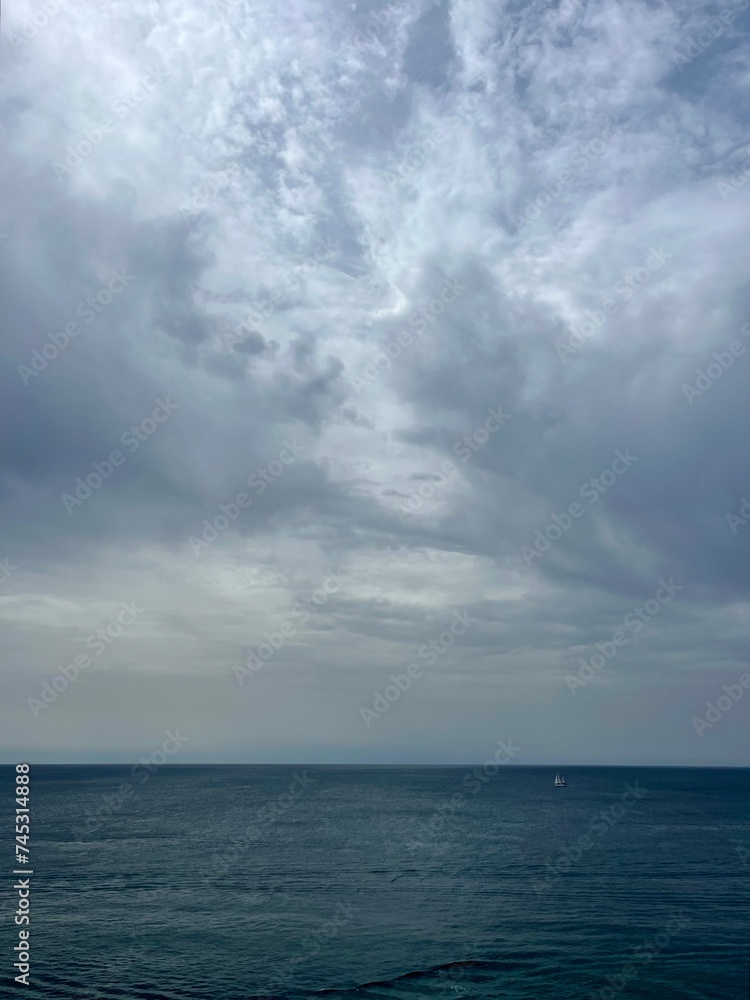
<point x="444" y="301"/>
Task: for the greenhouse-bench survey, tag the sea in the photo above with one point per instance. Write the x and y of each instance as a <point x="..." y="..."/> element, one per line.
<point x="382" y="883"/>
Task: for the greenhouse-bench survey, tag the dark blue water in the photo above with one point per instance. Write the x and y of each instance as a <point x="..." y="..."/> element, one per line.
<point x="239" y="882"/>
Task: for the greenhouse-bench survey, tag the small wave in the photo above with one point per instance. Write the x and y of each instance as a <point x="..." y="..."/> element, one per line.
<point x="469" y="964"/>
<point x="464" y="965"/>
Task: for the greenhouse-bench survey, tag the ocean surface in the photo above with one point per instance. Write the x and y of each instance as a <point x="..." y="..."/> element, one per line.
<point x="230" y="883"/>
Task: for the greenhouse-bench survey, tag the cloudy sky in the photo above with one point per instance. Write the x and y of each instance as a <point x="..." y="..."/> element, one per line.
<point x="327" y="327"/>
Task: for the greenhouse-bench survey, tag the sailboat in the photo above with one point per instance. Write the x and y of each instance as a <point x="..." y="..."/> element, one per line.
<point x="560" y="782"/>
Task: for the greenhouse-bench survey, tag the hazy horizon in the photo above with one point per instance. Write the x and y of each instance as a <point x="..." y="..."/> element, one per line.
<point x="556" y="766"/>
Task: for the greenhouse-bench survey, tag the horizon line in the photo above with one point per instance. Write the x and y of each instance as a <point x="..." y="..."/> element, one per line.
<point x="556" y="766"/>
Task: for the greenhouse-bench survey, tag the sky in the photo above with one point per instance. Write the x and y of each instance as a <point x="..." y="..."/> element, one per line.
<point x="374" y="381"/>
